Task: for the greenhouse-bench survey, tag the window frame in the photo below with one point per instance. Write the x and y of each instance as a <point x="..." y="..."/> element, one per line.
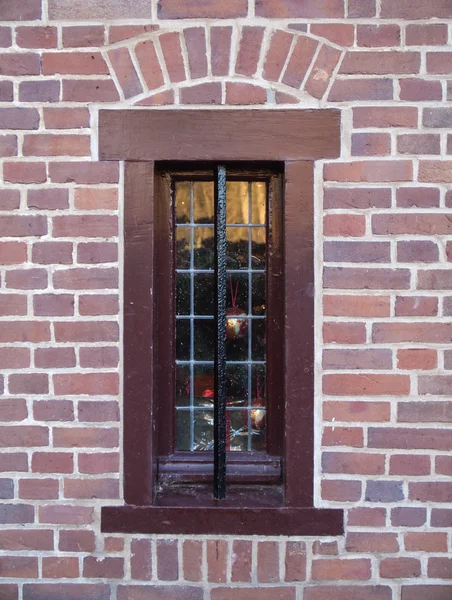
<point x="141" y="138"/>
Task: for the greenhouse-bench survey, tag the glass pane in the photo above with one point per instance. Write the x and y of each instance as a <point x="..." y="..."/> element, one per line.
<point x="238" y="430"/>
<point x="237" y="247"/>
<point x="182" y="385"/>
<point x="204" y="250"/>
<point x="183" y="430"/>
<point x="182" y="201"/>
<point x="258" y="250"/>
<point x="258" y="301"/>
<point x="237" y="202"/>
<point x="258" y="202"/>
<point x="183" y="339"/>
<point x="182" y="294"/>
<point x="258" y="339"/>
<point x="204" y="294"/>
<point x="183" y="248"/>
<point x="203" y="205"/>
<point x="204" y="339"/>
<point x="203" y="385"/>
<point x="237" y="327"/>
<point x="203" y="430"/>
<point x="237" y="385"/>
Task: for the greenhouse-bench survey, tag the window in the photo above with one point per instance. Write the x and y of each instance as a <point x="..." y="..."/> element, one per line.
<point x="177" y="162"/>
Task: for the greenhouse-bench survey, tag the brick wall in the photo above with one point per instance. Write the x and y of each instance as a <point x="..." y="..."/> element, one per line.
<point x="384" y="225"/>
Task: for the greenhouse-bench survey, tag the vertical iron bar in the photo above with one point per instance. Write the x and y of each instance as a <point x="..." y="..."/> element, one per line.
<point x="219" y="463"/>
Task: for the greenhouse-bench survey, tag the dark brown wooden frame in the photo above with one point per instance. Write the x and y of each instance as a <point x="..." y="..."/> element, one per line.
<point x="142" y="138"/>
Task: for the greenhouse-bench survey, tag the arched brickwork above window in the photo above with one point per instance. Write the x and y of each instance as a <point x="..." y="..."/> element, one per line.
<point x="217" y="64"/>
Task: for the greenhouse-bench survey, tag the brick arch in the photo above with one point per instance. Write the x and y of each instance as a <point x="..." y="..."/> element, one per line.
<point x="223" y="64"/>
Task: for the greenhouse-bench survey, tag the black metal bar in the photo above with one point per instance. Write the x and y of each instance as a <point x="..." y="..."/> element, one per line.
<point x="219" y="462"/>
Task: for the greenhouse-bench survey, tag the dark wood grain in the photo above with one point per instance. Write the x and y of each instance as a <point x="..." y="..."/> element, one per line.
<point x="218" y="134"/>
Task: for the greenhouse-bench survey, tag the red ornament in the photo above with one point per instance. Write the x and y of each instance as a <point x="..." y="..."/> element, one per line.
<point x="236" y="321"/>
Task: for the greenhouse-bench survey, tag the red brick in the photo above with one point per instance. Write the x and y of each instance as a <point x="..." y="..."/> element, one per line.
<point x="416" y="358"/>
<point x="99" y="463"/>
<point x="167" y="560"/>
<point x="13" y="461"/>
<point x="409" y="464"/>
<point x="26" y="279"/>
<point x="56" y="145"/>
<point x="369" y="412"/>
<point x="438" y="63"/>
<point x="109" y="568"/>
<point x="25" y="331"/>
<point x="353" y="463"/>
<point x="277" y="53"/>
<point x="13" y="304"/>
<point x="440" y="568"/>
<point x="203" y="93"/>
<point x="158" y="99"/>
<point x="369" y="279"/>
<point x="171" y="48"/>
<point x="85" y="226"/>
<point x="86" y="331"/>
<point x="426" y="35"/>
<point x="441" y="517"/>
<point x="436" y="117"/>
<point x="422" y="197"/>
<point x="268" y="562"/>
<point x="325" y="548"/>
<point x="25" y="172"/>
<point x="241" y="561"/>
<point x="416" y="306"/>
<point x="211" y="9"/>
<point x="371" y="144"/>
<point x="282" y="9"/>
<point x="435" y="171"/>
<point x="149" y="64"/>
<point x="83" y="36"/>
<point x="372" y="171"/>
<point x="5" y="37"/>
<point x="337" y="569"/>
<point x="95" y="199"/>
<point x="406" y="9"/>
<point x="195" y="41"/>
<point x="6" y="91"/>
<point x="13" y="253"/>
<point x="356" y="252"/>
<point x="16" y="513"/>
<point x="85" y="437"/>
<point x="64" y="567"/>
<point x="343" y="436"/>
<point x="8" y="145"/>
<point x="440" y="491"/>
<point x="381" y="62"/>
<point x="409" y="438"/>
<point x="48" y="253"/>
<point x="98" y="358"/>
<point x="370" y="385"/>
<point x="19" y="64"/>
<point x="70" y="515"/>
<point x="371" y="542"/>
<point x="420" y="90"/>
<point x="426" y="542"/>
<point x="91" y="489"/>
<point x="29" y="383"/>
<point x="373" y="36"/>
<point x="89" y="90"/>
<point x="12" y="409"/>
<point x="118" y="33"/>
<point x="48" y="199"/>
<point x="52" y="462"/>
<point x="254" y="593"/>
<point x="31" y="539"/>
<point x="39" y="91"/>
<point x="299" y="62"/>
<point x="282" y="98"/>
<point x="417" y="251"/>
<point x="28" y="10"/>
<point x="19" y="118"/>
<point x="69" y="591"/>
<point x="413" y="224"/>
<point x="342" y="34"/>
<point x="76" y="540"/>
<point x="125" y="72"/>
<point x="66" y="118"/>
<point x="245" y="93"/>
<point x="344" y="90"/>
<point x="217" y="558"/>
<point x="344" y="225"/>
<point x="220" y="49"/>
<point x="19" y="567"/>
<point x="141" y="559"/>
<point x="438" y="385"/>
<point x="400" y="568"/>
<point x="192" y="560"/>
<point x="113" y="544"/>
<point x="341" y="491"/>
<point x="356" y="306"/>
<point x="361" y="8"/>
<point x="402" y="516"/>
<point x="9" y="199"/>
<point x="385" y="116"/>
<point x="357" y="359"/>
<point x="362" y="516"/>
<point x="53" y="305"/>
<point x="93" y="384"/>
<point x="84" y="172"/>
<point x="249" y="50"/>
<point x="425" y="412"/>
<point x="344" y="333"/>
<point x="418" y="144"/>
<point x="97" y="252"/>
<point x="98" y="304"/>
<point x="94" y="411"/>
<point x="73" y="63"/>
<point x="53" y="410"/>
<point x="86" y="279"/>
<point x="38" y="489"/>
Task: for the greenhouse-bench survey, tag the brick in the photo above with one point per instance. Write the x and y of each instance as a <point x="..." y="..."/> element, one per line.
<point x="31" y="539"/>
<point x="65" y="567"/>
<point x="249" y="50"/>
<point x="38" y="489"/>
<point x="380" y="63"/>
<point x="409" y="438"/>
<point x="422" y="197"/>
<point x="439" y="62"/>
<point x="6" y="91"/>
<point x="447" y="359"/>
<point x="361" y="8"/>
<point x="25" y="172"/>
<point x="13" y="461"/>
<point x="441" y="517"/>
<point x="19" y="567"/>
<point x="13" y="253"/>
<point x="25" y="331"/>
<point x="85" y="437"/>
<point x="325" y="548"/>
<point x="99" y="463"/>
<point x="9" y="591"/>
<point x="322" y="69"/>
<point x="56" y="145"/>
<point x="46" y="253"/>
<point x="158" y="99"/>
<point x="369" y="412"/>
<point x="172" y="9"/>
<point x="299" y="62"/>
<point x="125" y="72"/>
<point x="66" y="118"/>
<point x="167" y="560"/>
<point x="437" y="117"/>
<point x="19" y="118"/>
<point x="341" y="491"/>
<point x="6" y="489"/>
<point x="371" y="542"/>
<point x="84" y="172"/>
<point x="363" y="516"/>
<point x="220" y="49"/>
<point x="9" y="199"/>
<point x="342" y="34"/>
<point x="344" y="225"/>
<point x="118" y="33"/>
<point x="29" y="383"/>
<point x="89" y="90"/>
<point x="13" y="409"/>
<point x="400" y="568"/>
<point x="16" y="513"/>
<point x="73" y="63"/>
<point x="440" y="491"/>
<point x="20" y="64"/>
<point x="371" y="144"/>
<point x="26" y="279"/>
<point x="258" y="593"/>
<point x="409" y="464"/>
<point x="356" y="252"/>
<point x="412" y="224"/>
<point x="438" y="385"/>
<point x="357" y="359"/>
<point x="39" y="91"/>
<point x="13" y="304"/>
<point x="53" y="410"/>
<point x="406" y="9"/>
<point x="217" y="558"/>
<point x="385" y="116"/>
<point x="418" y="144"/>
<point x="5" y="37"/>
<point x="344" y="333"/>
<point x="335" y="568"/>
<point x="149" y="64"/>
<point x="417" y="592"/>
<point x="417" y="251"/>
<point x="369" y="170"/>
<point x="93" y="411"/>
<point x="113" y="544"/>
<point x="195" y="42"/>
<point x="53" y="305"/>
<point x="171" y="47"/>
<point x="356" y="306"/>
<point x="416" y="359"/>
<point x="52" y="462"/>
<point x="36" y="37"/>
<point x="426" y="34"/>
<point x="91" y="384"/>
<point x="68" y="591"/>
<point x="241" y="561"/>
<point x="48" y="199"/>
<point x="109" y="568"/>
<point x="97" y="252"/>
<point x="86" y="279"/>
<point x="192" y="560"/>
<point x="268" y="562"/>
<point x="402" y="516"/>
<point x="443" y="465"/>
<point x="447" y="307"/>
<point x="362" y="278"/>
<point x="98" y="304"/>
<point x="245" y="93"/>
<point x="8" y="145"/>
<point x="420" y="90"/>
<point x="384" y="491"/>
<point x="439" y="568"/>
<point x="70" y="515"/>
<point x="83" y="36"/>
<point x="433" y="171"/>
<point x="106" y="357"/>
<point x="91" y="489"/>
<point x="141" y="559"/>
<point x="277" y="53"/>
<point x="282" y="9"/>
<point x="343" y="436"/>
<point x="204" y="93"/>
<point x="86" y="331"/>
<point x="374" y="36"/>
<point x="425" y="412"/>
<point x="426" y="542"/>
<point x="353" y="463"/>
<point x="95" y="199"/>
<point x="416" y="306"/>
